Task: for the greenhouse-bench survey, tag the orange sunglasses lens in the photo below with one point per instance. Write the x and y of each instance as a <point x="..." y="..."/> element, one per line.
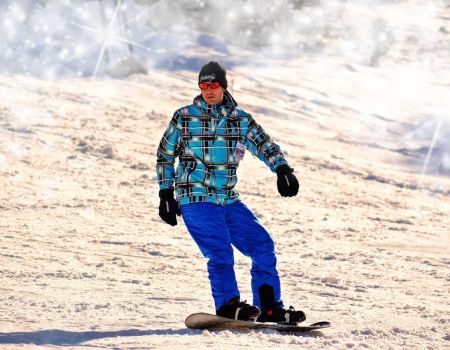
<point x="213" y="85"/>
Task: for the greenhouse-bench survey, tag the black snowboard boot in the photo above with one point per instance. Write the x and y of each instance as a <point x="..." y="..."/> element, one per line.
<point x="239" y="310"/>
<point x="273" y="311"/>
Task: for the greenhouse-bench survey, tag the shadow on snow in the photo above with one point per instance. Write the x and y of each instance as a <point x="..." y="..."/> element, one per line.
<point x="61" y="337"/>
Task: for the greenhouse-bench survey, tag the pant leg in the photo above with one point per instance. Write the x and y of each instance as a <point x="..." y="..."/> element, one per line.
<point x="207" y="226"/>
<point x="252" y="239"/>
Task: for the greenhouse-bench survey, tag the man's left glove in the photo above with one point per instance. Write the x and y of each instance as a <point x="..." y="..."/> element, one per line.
<point x="287" y="183"/>
<point x="168" y="206"/>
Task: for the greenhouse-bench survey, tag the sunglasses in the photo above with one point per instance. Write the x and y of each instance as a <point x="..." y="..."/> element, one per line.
<point x="213" y="85"/>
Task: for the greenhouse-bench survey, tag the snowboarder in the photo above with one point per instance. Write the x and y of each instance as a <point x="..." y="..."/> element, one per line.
<point x="210" y="138"/>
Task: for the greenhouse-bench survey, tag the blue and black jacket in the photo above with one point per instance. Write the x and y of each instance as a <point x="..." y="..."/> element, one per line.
<point x="204" y="138"/>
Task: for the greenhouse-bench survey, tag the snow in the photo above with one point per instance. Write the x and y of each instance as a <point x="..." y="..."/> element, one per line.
<point x="85" y="260"/>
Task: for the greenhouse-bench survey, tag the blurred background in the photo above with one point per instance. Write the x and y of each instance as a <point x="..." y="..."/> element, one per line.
<point x="49" y="38"/>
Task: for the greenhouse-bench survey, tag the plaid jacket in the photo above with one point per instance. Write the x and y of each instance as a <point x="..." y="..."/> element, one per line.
<point x="204" y="138"/>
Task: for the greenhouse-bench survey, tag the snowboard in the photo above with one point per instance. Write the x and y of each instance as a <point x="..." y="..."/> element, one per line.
<point x="204" y="320"/>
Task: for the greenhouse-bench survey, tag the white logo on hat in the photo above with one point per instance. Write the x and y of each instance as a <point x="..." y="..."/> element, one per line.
<point x="208" y="77"/>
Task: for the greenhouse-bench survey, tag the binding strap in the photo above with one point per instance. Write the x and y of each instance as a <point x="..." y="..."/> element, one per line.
<point x="236" y="314"/>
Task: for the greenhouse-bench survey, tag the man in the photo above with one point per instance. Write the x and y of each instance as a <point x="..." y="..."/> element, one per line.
<point x="210" y="137"/>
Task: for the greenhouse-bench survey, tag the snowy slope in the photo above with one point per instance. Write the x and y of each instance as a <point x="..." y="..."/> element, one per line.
<point x="86" y="262"/>
<point x="85" y="254"/>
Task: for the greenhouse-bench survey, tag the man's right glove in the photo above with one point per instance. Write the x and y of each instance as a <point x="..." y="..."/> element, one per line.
<point x="168" y="206"/>
<point x="287" y="183"/>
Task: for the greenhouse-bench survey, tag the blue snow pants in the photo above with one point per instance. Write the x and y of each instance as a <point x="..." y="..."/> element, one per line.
<point x="215" y="228"/>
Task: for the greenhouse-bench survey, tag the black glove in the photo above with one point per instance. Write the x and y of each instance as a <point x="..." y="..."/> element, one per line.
<point x="287" y="183"/>
<point x="168" y="206"/>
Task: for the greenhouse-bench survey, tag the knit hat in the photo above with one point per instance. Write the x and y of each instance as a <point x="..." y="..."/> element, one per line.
<point x="211" y="72"/>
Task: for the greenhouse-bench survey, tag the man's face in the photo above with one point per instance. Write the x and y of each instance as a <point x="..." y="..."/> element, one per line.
<point x="212" y="95"/>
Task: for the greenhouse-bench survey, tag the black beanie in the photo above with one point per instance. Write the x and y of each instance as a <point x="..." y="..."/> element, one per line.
<point x="213" y="72"/>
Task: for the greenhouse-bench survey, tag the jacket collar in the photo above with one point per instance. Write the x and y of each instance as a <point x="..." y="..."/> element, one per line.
<point x="225" y="109"/>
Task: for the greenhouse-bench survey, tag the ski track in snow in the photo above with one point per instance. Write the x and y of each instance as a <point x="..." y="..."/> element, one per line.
<point x="86" y="262"/>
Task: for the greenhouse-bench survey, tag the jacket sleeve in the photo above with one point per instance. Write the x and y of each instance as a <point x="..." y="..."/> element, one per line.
<point x="261" y="145"/>
<point x="168" y="150"/>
